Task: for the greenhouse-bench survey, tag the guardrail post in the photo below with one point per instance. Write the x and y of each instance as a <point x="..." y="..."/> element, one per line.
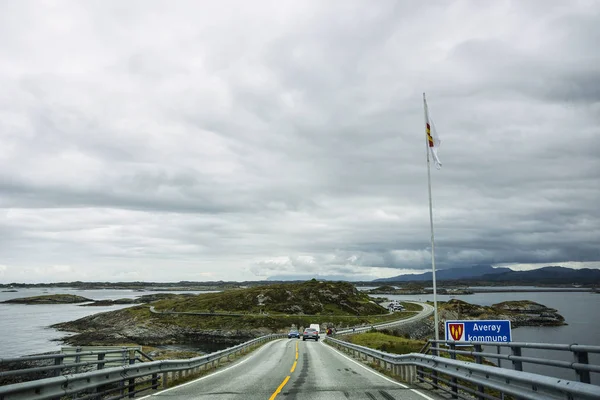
<point x="100" y="366"/>
<point x="122" y="388"/>
<point x="131" y="382"/>
<point x="434" y="374"/>
<point x="453" y="381"/>
<point x="405" y="373"/>
<point x="77" y="359"/>
<point x="581" y="357"/>
<point x="58" y="361"/>
<point x="420" y="374"/>
<point x="479" y="360"/>
<point x="101" y="356"/>
<point x="165" y="380"/>
<point x="154" y="381"/>
<point x="499" y="360"/>
<point x="517" y="365"/>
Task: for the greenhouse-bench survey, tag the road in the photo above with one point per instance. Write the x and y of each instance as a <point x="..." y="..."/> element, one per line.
<point x="425" y="312"/>
<point x="299" y="371"/>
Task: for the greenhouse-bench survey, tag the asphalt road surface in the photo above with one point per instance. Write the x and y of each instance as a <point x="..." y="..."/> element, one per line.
<point x="292" y="369"/>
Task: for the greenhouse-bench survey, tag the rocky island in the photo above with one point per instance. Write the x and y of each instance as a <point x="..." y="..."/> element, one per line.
<point x="50" y="299"/>
<point x="256" y="311"/>
<point x="410" y="288"/>
<point x="519" y="312"/>
<point x="73" y="299"/>
<point x="417" y="288"/>
<point x="147" y="298"/>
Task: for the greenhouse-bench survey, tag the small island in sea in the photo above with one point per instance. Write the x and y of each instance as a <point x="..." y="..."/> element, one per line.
<point x="50" y="299"/>
<point x="519" y="312"/>
<point x="413" y="288"/>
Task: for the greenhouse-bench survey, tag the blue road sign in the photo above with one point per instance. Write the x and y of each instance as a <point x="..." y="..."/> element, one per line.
<point x="479" y="331"/>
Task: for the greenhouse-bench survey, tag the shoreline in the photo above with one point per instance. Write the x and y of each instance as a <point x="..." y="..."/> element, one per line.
<point x="60" y="339"/>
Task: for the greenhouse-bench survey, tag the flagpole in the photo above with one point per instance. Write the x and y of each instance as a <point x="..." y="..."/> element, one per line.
<point x="435" y="308"/>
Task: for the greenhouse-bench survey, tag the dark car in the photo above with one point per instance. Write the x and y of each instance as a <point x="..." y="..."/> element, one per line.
<point x="294" y="333"/>
<point x="310" y="333"/>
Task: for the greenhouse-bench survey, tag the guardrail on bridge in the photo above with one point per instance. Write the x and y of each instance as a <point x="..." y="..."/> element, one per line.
<point x="580" y="365"/>
<point x="70" y="360"/>
<point x="125" y="381"/>
<point x="465" y="379"/>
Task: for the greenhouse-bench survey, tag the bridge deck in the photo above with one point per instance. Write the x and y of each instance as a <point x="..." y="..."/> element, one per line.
<point x="320" y="373"/>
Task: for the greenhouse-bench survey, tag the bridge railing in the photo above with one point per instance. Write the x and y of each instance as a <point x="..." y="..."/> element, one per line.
<point x="464" y="379"/>
<point x="70" y="360"/>
<point x="580" y="365"/>
<point x="124" y="381"/>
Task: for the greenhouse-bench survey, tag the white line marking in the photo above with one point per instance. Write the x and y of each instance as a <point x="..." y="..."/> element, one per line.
<point x="377" y="373"/>
<point x="212" y="374"/>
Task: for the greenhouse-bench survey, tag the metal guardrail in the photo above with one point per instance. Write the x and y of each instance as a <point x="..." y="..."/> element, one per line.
<point x="70" y="360"/>
<point x="125" y="381"/>
<point x="465" y="379"/>
<point x="580" y="355"/>
<point x="74" y="354"/>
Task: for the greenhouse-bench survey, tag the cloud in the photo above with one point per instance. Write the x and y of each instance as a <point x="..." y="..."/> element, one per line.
<point x="140" y="141"/>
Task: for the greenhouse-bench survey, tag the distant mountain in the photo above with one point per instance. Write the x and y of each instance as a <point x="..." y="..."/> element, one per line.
<point x="547" y="275"/>
<point x="485" y="273"/>
<point x="475" y="271"/>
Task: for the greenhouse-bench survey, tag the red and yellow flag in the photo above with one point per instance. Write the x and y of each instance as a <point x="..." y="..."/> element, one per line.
<point x="433" y="141"/>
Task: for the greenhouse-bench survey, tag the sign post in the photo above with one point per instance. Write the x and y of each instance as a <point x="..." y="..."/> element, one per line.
<point x="498" y="331"/>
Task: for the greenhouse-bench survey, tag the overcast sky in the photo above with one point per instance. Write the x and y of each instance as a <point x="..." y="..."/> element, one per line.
<point x="167" y="141"/>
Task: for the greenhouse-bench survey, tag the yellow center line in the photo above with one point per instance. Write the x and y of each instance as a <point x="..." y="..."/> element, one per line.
<point x="287" y="378"/>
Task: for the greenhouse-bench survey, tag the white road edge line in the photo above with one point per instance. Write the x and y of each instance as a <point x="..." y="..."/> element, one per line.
<point x="210" y="375"/>
<point x="377" y="373"/>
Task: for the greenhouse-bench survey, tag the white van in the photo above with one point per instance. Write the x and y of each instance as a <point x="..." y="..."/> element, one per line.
<point x="315" y="327"/>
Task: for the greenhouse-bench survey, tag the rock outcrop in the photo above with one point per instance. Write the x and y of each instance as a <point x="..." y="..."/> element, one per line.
<point x="50" y="299"/>
<point x="258" y="311"/>
<point x="139" y="326"/>
<point x="147" y="298"/>
<point x="520" y="312"/>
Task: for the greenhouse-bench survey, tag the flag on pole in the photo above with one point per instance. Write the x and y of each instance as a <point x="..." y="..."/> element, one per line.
<point x="433" y="140"/>
<point x="432" y="143"/>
